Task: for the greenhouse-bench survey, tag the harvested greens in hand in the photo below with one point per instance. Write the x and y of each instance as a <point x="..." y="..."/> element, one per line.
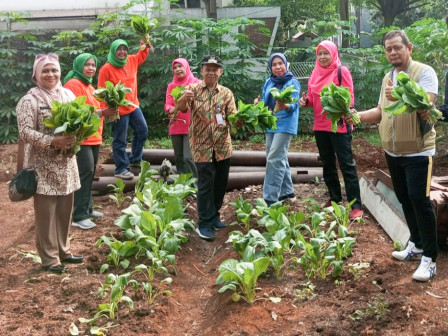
<point x="410" y="97"/>
<point x="177" y="92"/>
<point x="284" y="96"/>
<point x="251" y="118"/>
<point x="75" y="117"/>
<point x="143" y="26"/>
<point x="113" y="96"/>
<point x="336" y="100"/>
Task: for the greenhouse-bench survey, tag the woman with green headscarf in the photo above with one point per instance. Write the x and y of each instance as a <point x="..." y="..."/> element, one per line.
<point x="79" y="81"/>
<point x="121" y="67"/>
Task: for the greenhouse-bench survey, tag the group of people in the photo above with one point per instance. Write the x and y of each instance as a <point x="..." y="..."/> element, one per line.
<point x="63" y="197"/>
<point x="200" y="133"/>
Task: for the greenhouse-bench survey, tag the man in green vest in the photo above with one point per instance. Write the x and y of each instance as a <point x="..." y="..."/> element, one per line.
<point x="409" y="145"/>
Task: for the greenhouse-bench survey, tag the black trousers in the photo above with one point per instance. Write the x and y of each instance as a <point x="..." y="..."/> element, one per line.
<point x="212" y="184"/>
<point x="87" y="159"/>
<point x="182" y="154"/>
<point x="411" y="178"/>
<point x="330" y="146"/>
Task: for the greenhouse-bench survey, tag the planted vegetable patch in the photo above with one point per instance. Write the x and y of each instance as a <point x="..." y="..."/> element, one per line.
<point x="75" y="117"/>
<point x="113" y="95"/>
<point x="284" y="96"/>
<point x="252" y="118"/>
<point x="410" y="97"/>
<point x="336" y="100"/>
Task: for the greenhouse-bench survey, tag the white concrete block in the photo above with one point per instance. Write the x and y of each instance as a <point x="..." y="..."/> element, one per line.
<point x="388" y="217"/>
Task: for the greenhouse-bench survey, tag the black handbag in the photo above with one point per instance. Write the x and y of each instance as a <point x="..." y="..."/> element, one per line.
<point x="23" y="185"/>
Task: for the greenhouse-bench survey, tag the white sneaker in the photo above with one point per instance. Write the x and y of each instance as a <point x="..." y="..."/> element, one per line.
<point x="85" y="224"/>
<point x="426" y="270"/>
<point x="409" y="253"/>
<point x="125" y="175"/>
<point x="96" y="214"/>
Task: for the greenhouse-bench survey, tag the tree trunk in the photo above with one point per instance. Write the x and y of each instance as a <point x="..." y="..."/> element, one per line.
<point x="344" y="16"/>
<point x="210" y="8"/>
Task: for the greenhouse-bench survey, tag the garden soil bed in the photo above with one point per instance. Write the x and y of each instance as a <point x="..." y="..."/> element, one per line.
<point x="35" y="303"/>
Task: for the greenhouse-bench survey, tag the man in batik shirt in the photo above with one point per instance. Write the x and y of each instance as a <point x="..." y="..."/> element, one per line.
<point x="210" y="142"/>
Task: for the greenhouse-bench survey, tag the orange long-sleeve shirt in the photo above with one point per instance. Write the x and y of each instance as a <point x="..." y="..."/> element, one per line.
<point x="126" y="75"/>
<point x="81" y="89"/>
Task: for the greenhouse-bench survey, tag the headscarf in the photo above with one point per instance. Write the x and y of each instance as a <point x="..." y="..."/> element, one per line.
<point x="57" y="92"/>
<point x="112" y="58"/>
<point x="279" y="82"/>
<point x="78" y="69"/>
<point x="324" y="75"/>
<point x="188" y="74"/>
<point x="188" y="79"/>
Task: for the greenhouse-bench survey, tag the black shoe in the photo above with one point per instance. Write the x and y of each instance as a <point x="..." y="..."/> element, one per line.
<point x="218" y="225"/>
<point x="74" y="259"/>
<point x="205" y="233"/>
<point x="58" y="269"/>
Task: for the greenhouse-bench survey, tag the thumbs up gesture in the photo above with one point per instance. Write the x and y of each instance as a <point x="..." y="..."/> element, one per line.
<point x="389" y="89"/>
<point x="302" y="101"/>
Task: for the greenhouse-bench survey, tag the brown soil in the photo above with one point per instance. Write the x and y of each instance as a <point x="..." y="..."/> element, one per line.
<point x="33" y="302"/>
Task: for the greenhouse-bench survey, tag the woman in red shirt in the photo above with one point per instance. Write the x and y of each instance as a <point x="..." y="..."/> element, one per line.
<point x="121" y="67"/>
<point x="179" y="122"/>
<point x="79" y="81"/>
<point x="328" y="69"/>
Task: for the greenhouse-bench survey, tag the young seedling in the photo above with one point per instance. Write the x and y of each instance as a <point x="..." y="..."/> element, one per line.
<point x="306" y="292"/>
<point x="118" y="195"/>
<point x="357" y="270"/>
<point x="243" y="211"/>
<point x="118" y="251"/>
<point x="241" y="277"/>
<point x="152" y="291"/>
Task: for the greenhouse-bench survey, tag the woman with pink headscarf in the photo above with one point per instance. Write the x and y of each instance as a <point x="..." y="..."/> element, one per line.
<point x="328" y="69"/>
<point x="179" y="122"/>
<point x="54" y="161"/>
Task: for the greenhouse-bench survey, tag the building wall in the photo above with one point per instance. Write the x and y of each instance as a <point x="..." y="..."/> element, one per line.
<point x="47" y="5"/>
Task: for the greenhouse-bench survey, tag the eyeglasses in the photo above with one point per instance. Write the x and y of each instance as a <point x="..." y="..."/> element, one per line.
<point x="50" y="56"/>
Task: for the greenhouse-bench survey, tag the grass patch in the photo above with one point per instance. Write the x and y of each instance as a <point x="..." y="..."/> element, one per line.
<point x="256" y="139"/>
<point x="372" y="136"/>
<point x="163" y="143"/>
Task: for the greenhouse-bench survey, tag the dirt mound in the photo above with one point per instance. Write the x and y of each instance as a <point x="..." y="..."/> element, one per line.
<point x="382" y="301"/>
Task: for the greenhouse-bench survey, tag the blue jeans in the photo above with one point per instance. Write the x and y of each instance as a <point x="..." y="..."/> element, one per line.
<point x="137" y="121"/>
<point x="277" y="181"/>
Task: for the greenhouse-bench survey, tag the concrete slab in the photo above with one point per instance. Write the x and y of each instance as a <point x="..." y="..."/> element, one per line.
<point x="384" y="211"/>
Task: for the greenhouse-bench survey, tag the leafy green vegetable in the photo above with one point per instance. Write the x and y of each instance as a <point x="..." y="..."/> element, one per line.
<point x="284" y="96"/>
<point x="113" y="96"/>
<point x="243" y="274"/>
<point x="336" y="100"/>
<point x="143" y="26"/>
<point x="252" y="118"/>
<point x="410" y="97"/>
<point x="177" y="92"/>
<point x="75" y="117"/>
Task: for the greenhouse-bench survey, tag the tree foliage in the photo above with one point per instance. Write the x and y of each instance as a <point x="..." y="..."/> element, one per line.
<point x="192" y="39"/>
<point x="296" y="12"/>
<point x="390" y="9"/>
